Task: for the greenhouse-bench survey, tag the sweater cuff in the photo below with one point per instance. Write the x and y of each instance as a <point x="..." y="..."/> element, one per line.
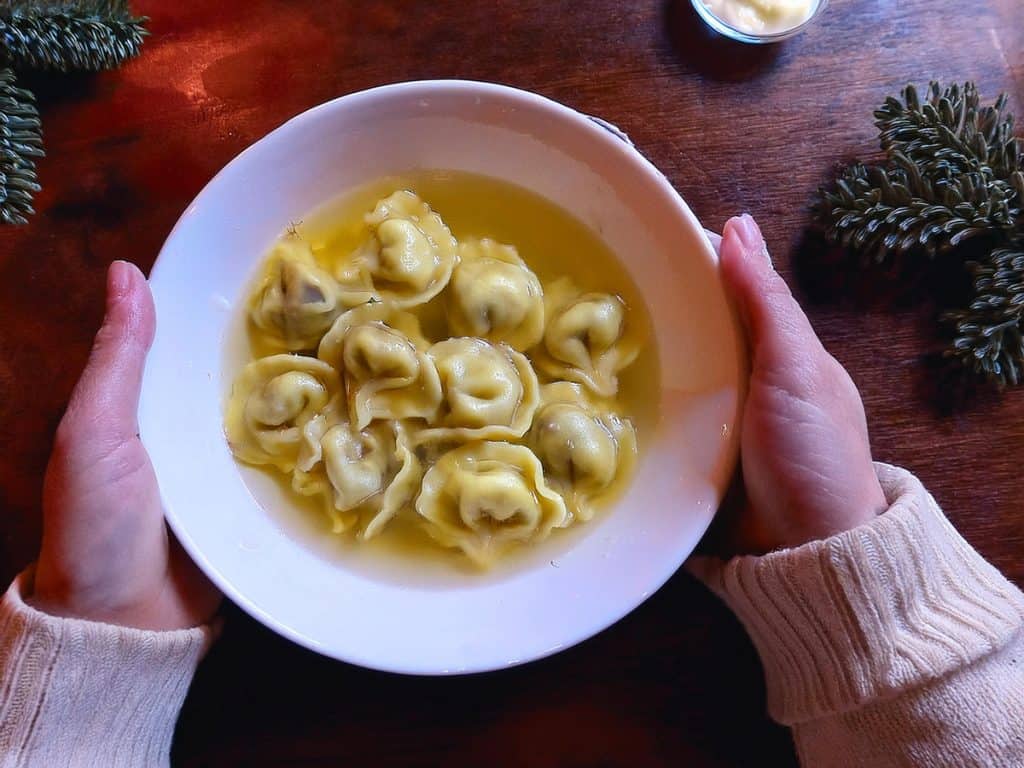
<point x="76" y="692"/>
<point x="870" y="612"/>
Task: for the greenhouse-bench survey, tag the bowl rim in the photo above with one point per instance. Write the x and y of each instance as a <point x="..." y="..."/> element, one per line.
<point x="703" y="248"/>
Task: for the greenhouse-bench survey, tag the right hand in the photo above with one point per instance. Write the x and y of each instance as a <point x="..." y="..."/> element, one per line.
<point x="806" y="460"/>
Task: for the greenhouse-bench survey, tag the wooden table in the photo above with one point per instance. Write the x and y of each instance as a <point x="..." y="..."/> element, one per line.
<point x="735" y="129"/>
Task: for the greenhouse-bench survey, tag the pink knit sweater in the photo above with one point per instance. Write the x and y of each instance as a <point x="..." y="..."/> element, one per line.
<point x="894" y="644"/>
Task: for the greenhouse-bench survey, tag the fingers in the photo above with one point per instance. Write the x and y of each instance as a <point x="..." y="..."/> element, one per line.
<point x="106" y="398"/>
<point x="776" y="325"/>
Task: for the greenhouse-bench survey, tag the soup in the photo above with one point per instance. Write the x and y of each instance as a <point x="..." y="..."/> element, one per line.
<point x="440" y="372"/>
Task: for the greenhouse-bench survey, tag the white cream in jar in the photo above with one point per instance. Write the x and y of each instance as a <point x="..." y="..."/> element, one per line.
<point x="762" y="17"/>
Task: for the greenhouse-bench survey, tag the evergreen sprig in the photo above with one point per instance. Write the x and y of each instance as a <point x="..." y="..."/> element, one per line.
<point x="55" y="35"/>
<point x="989" y="338"/>
<point x="953" y="172"/>
<point x="88" y="35"/>
<point x="21" y="142"/>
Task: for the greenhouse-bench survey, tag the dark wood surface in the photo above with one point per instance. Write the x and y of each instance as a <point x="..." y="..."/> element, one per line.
<point x="735" y="129"/>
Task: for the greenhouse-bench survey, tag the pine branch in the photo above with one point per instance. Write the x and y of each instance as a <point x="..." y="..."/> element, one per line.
<point x="953" y="172"/>
<point x="21" y="141"/>
<point x="85" y="35"/>
<point x="949" y="134"/>
<point x="896" y="210"/>
<point x="115" y="9"/>
<point x="990" y="332"/>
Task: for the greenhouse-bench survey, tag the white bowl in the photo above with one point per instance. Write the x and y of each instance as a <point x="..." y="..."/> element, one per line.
<point x="471" y="623"/>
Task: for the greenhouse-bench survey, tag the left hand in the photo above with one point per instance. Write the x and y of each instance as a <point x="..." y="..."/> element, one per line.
<point x="107" y="554"/>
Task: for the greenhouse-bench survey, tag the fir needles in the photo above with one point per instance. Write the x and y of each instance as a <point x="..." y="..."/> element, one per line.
<point x="85" y="35"/>
<point x="20" y="143"/>
<point x="953" y="172"/>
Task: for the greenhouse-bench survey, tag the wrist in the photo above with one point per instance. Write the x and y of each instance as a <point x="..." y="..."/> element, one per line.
<point x="61" y="597"/>
<point x="809" y="507"/>
<point x="58" y="594"/>
<point x="178" y="599"/>
<point x="830" y="517"/>
<point x="145" y="615"/>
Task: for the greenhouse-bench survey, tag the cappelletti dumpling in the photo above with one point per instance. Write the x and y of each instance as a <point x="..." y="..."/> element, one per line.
<point x="490" y="391"/>
<point x="493" y="295"/>
<point x="583" y="446"/>
<point x="367" y="476"/>
<point x="484" y="496"/>
<point x="584" y="338"/>
<point x="296" y="301"/>
<point x="387" y="371"/>
<point x="271" y="402"/>
<point x="407" y="258"/>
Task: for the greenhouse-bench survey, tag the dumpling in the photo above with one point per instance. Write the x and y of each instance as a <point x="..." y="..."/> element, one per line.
<point x="296" y="301"/>
<point x="408" y="257"/>
<point x="494" y="295"/>
<point x="372" y="470"/>
<point x="482" y="497"/>
<point x="382" y="355"/>
<point x="584" y="447"/>
<point x="272" y="400"/>
<point x="490" y="392"/>
<point x="585" y="338"/>
<point x="367" y="475"/>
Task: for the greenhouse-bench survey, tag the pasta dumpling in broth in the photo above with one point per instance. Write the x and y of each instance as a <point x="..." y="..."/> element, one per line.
<point x="484" y="496"/>
<point x="407" y="258"/>
<point x="490" y="392"/>
<point x="584" y="447"/>
<point x="382" y="355"/>
<point x="367" y="476"/>
<point x="493" y="295"/>
<point x="585" y="338"/>
<point x="296" y="301"/>
<point x="271" y="402"/>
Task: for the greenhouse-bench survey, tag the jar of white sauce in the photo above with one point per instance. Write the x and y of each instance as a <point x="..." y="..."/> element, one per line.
<point x="758" y="21"/>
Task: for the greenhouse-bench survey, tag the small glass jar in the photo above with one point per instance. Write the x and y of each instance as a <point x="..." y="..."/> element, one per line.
<point x="728" y="30"/>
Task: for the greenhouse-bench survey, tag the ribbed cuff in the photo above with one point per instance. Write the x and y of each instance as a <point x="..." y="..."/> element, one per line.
<point x="83" y="693"/>
<point x="869" y="612"/>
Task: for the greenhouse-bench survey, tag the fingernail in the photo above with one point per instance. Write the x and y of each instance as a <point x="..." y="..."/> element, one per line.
<point x="749" y="234"/>
<point x="751" y="237"/>
<point x="119" y="277"/>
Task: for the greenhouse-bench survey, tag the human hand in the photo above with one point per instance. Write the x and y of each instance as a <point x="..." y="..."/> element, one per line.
<point x="106" y="552"/>
<point x="806" y="460"/>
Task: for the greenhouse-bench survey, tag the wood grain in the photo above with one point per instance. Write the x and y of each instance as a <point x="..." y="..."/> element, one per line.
<point x="735" y="129"/>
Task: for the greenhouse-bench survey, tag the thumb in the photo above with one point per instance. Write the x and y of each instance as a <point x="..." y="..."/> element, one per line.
<point x="105" y="402"/>
<point x="777" y="328"/>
